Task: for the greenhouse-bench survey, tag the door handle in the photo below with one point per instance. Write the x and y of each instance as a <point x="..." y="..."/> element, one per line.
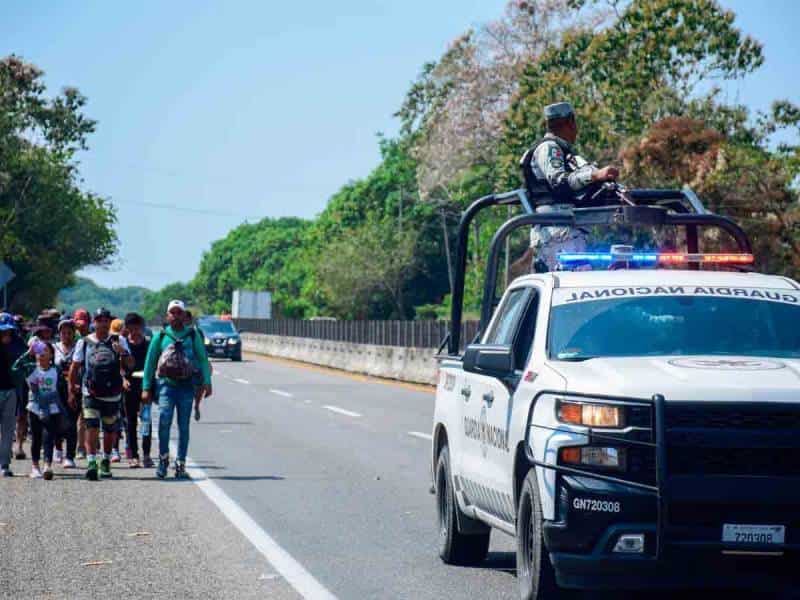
<point x="488" y="397"/>
<point x="466" y="392"/>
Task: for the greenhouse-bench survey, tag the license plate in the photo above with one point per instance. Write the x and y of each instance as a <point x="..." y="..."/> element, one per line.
<point x="219" y="350"/>
<point x="753" y="534"/>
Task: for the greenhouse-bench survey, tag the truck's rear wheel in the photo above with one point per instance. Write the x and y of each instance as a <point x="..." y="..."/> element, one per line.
<point x="455" y="548"/>
<point x="535" y="573"/>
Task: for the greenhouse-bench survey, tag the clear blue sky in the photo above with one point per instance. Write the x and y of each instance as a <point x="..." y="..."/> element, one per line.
<point x="257" y="108"/>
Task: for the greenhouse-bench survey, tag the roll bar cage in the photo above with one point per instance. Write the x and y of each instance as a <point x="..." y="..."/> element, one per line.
<point x="643" y="207"/>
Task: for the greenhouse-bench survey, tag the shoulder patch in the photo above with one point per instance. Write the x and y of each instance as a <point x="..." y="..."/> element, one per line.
<point x="555" y="153"/>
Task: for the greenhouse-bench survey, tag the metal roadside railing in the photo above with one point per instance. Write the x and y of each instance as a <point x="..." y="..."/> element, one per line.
<point x="408" y="334"/>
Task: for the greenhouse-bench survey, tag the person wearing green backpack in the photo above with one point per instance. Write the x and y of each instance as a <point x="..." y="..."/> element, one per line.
<point x="175" y="358"/>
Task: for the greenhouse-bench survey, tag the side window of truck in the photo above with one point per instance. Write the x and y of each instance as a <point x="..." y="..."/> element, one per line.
<point x="504" y="327"/>
<point x="523" y="345"/>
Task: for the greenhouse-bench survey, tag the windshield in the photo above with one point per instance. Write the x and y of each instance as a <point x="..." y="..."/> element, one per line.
<point x="584" y="327"/>
<point x="212" y="327"/>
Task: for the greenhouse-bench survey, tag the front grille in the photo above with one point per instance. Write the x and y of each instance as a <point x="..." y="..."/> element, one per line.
<point x="733" y="439"/>
<point x="642" y="464"/>
<point x="639" y="416"/>
<point x="716" y="514"/>
<point x="765" y="462"/>
<point x="732" y="416"/>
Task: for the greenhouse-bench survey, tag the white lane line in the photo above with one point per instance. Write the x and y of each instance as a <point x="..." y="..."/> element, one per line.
<point x="281" y="393"/>
<point x="291" y="570"/>
<point x="419" y="434"/>
<point x="341" y="411"/>
<point x="237" y="380"/>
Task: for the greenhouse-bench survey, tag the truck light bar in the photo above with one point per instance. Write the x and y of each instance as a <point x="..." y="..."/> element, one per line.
<point x="670" y="258"/>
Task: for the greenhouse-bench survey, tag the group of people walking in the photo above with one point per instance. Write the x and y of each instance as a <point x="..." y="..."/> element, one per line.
<point x="76" y="384"/>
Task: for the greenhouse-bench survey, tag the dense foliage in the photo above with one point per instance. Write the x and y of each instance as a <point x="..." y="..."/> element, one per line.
<point x="155" y="304"/>
<point x="640" y="74"/>
<point x="42" y="205"/>
<point x="87" y="294"/>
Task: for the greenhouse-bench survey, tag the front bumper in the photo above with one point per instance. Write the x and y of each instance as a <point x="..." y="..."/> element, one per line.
<point x="675" y="569"/>
<point x="682" y="509"/>
<point x="690" y="553"/>
<point x="223" y="350"/>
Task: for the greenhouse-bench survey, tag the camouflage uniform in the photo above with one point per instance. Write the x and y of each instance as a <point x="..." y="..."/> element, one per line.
<point x="567" y="174"/>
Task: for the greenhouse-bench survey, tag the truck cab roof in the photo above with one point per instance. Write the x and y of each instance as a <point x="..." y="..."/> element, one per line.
<point x="568" y="279"/>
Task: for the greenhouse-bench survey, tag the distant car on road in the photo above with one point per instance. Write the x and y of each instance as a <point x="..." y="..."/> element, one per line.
<point x="221" y="338"/>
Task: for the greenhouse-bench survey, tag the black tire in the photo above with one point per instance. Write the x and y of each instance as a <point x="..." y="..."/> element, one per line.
<point x="455" y="548"/>
<point x="537" y="580"/>
<point x="236" y="358"/>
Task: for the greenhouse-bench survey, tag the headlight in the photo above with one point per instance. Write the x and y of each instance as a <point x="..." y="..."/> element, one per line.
<point x="207" y="342"/>
<point x="594" y="456"/>
<point x="233" y="341"/>
<point x="591" y="414"/>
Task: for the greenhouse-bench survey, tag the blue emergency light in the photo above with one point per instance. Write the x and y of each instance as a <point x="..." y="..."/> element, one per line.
<point x="626" y="254"/>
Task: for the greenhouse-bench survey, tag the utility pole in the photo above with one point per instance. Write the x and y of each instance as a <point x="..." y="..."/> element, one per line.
<point x="446" y="236"/>
<point x="508" y="252"/>
<point x="401" y="209"/>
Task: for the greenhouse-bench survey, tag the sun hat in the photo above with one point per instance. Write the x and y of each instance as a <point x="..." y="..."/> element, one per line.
<point x="117" y="325"/>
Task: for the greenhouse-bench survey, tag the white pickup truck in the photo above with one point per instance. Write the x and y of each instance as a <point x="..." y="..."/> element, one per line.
<point x="632" y="428"/>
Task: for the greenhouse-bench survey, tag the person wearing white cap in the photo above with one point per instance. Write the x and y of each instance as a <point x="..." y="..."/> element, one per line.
<point x="175" y="356"/>
<point x="569" y="176"/>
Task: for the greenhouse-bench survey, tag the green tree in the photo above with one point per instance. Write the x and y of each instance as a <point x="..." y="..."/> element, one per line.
<point x="262" y="256"/>
<point x="49" y="227"/>
<point x="155" y="304"/>
<point x="369" y="266"/>
<point x="745" y="181"/>
<point x="622" y="78"/>
<point x="87" y="294"/>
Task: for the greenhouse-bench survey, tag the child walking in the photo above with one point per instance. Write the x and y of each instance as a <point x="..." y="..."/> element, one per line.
<point x="44" y="406"/>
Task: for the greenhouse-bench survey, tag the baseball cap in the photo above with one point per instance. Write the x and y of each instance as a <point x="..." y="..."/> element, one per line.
<point x="559" y="110"/>
<point x="66" y="323"/>
<point x="101" y="313"/>
<point x="7" y="322"/>
<point x="176" y="304"/>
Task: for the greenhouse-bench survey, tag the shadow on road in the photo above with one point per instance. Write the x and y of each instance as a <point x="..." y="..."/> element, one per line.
<point x="214" y="359"/>
<point x="248" y="478"/>
<point x="504" y="562"/>
<point x="199" y="423"/>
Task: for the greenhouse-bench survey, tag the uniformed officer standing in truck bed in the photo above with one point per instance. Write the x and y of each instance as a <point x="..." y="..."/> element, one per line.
<point x="570" y="178"/>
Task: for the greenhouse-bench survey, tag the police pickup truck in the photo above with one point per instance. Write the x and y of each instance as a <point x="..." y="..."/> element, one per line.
<point x="634" y="426"/>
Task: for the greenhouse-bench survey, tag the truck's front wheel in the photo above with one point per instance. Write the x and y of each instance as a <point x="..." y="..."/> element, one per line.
<point x="455" y="548"/>
<point x="535" y="573"/>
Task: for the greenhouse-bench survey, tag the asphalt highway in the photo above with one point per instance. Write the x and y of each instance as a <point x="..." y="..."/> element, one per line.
<point x="305" y="483"/>
<point x="335" y="469"/>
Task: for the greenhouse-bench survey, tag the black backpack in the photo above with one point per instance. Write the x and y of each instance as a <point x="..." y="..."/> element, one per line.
<point x="102" y="368"/>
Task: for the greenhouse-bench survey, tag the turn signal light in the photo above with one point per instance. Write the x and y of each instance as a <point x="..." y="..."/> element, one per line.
<point x="595" y="456"/>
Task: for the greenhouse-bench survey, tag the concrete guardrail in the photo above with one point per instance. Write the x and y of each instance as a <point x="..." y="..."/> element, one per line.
<point x="414" y="365"/>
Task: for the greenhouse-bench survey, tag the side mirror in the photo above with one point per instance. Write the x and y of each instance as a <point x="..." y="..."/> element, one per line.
<point x="494" y="361"/>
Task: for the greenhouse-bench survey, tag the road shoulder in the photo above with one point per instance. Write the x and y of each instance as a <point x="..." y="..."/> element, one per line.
<point x="133" y="536"/>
